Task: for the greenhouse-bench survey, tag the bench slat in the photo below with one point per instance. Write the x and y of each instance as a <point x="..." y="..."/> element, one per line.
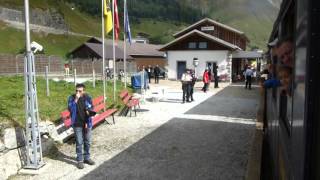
<point x="67" y="122"/>
<point x="123" y="94"/>
<point x="103" y="115"/>
<point x="65" y="114"/>
<point x="99" y="108"/>
<point x="97" y="101"/>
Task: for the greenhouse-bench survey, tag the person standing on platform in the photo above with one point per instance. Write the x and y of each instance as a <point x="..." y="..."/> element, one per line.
<point x="206" y="80"/>
<point x="156" y="74"/>
<point x="80" y="107"/>
<point x="186" y="83"/>
<point x="215" y="75"/>
<point x="149" y="69"/>
<point x="193" y="82"/>
<point x="248" y="74"/>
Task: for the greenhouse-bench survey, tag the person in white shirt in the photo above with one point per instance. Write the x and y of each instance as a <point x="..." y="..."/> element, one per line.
<point x="186" y="80"/>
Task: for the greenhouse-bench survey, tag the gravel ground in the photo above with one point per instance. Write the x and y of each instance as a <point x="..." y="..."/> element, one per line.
<point x="157" y="144"/>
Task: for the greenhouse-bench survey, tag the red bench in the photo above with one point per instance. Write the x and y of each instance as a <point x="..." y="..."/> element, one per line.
<point x="98" y="106"/>
<point x="129" y="101"/>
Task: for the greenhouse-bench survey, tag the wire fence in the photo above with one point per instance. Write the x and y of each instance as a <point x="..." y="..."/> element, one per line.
<point x="14" y="65"/>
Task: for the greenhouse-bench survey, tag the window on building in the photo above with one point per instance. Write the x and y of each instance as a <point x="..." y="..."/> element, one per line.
<point x="203" y="45"/>
<point x="192" y="45"/>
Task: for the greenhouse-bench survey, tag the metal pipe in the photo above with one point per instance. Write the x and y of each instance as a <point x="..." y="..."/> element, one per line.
<point x="103" y="52"/>
<point x="27" y="27"/>
<point x="125" y="44"/>
<point x="114" y="54"/>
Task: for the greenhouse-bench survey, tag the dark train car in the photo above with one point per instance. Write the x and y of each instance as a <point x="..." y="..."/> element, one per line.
<point x="291" y="148"/>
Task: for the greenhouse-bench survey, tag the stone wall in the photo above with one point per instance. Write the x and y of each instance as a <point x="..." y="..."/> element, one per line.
<point x="11" y="14"/>
<point x="50" y="17"/>
<point x="12" y="148"/>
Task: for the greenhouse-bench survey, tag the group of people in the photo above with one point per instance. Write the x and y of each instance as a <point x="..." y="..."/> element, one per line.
<point x="188" y="80"/>
<point x="280" y="75"/>
<point x="156" y="72"/>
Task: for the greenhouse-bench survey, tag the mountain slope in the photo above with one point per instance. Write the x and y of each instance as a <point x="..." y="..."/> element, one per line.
<point x="158" y="19"/>
<point x="254" y="17"/>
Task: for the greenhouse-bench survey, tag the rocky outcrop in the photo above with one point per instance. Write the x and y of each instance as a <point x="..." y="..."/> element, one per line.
<point x="13" y="138"/>
<point x="49" y="17"/>
<point x="13" y="152"/>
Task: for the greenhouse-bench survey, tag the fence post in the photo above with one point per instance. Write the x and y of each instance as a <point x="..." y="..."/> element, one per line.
<point x="93" y="78"/>
<point x="49" y="62"/>
<point x="47" y="81"/>
<point x="17" y="65"/>
<point x="82" y="67"/>
<point x="75" y="76"/>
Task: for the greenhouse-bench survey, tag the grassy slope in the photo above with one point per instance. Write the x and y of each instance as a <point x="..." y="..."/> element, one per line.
<point x="76" y="21"/>
<point x="162" y="30"/>
<point x="254" y="17"/>
<point x="12" y="99"/>
<point x="13" y="40"/>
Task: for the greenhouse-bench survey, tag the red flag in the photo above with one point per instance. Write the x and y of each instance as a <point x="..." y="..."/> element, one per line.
<point x="116" y="20"/>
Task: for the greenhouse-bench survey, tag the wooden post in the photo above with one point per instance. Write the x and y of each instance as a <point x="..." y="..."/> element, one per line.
<point x="47" y="81"/>
<point x="93" y="78"/>
<point x="75" y="76"/>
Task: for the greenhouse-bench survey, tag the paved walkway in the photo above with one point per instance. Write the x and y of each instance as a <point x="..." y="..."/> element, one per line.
<point x="207" y="139"/>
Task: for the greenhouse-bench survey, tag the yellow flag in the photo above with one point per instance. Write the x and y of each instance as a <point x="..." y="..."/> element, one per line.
<point x="107" y="16"/>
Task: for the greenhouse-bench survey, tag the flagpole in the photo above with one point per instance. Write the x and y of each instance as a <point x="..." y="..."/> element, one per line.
<point x="114" y="53"/>
<point x="125" y="44"/>
<point x="103" y="52"/>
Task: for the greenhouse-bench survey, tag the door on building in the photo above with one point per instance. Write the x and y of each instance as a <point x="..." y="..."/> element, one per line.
<point x="181" y="68"/>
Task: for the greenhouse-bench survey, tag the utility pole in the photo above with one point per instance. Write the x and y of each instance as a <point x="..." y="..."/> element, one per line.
<point x="32" y="138"/>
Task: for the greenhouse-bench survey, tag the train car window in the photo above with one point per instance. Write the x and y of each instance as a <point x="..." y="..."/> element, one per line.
<point x="274" y="70"/>
<point x="285" y="111"/>
<point x="285" y="69"/>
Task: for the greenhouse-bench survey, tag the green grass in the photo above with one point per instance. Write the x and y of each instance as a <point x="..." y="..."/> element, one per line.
<point x="12" y="41"/>
<point x="80" y="22"/>
<point x="12" y="98"/>
<point x="159" y="31"/>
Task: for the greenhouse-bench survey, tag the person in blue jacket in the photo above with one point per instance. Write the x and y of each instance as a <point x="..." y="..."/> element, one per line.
<point x="80" y="107"/>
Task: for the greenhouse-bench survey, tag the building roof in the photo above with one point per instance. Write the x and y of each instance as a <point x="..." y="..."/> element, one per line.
<point x="207" y="36"/>
<point x="211" y="21"/>
<point x="246" y="54"/>
<point x="95" y="50"/>
<point x="135" y="49"/>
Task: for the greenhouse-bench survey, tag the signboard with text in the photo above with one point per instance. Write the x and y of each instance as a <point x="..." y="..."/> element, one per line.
<point x="207" y="28"/>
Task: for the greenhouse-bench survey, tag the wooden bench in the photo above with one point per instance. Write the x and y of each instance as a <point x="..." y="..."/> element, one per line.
<point x="129" y="101"/>
<point x="98" y="106"/>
